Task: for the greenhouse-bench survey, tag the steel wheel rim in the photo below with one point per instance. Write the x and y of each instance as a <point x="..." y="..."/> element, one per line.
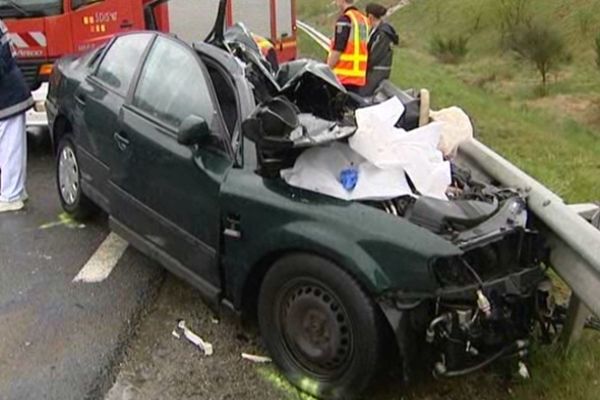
<point x="317" y="331"/>
<point x="68" y="175"/>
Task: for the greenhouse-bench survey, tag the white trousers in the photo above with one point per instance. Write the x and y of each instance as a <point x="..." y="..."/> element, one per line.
<point x="13" y="158"/>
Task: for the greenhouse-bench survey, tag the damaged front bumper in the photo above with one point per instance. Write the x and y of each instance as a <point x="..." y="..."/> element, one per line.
<point x="457" y="330"/>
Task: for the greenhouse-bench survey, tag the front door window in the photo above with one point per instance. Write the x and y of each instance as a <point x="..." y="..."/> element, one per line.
<point x="173" y="86"/>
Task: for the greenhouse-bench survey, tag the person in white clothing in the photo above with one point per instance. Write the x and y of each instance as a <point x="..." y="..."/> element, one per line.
<point x="15" y="100"/>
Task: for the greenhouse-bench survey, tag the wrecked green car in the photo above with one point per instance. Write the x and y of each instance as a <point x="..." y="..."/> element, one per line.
<point x="183" y="146"/>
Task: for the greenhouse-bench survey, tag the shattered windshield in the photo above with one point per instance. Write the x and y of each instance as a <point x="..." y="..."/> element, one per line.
<point x="30" y="8"/>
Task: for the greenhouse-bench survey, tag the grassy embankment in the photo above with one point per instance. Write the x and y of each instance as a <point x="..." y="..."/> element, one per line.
<point x="555" y="138"/>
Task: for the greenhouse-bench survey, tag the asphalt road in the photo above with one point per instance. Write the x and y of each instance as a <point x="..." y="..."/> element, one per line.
<point x="59" y="339"/>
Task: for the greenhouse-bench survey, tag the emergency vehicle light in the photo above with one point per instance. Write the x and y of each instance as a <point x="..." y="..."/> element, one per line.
<point x="45" y="69"/>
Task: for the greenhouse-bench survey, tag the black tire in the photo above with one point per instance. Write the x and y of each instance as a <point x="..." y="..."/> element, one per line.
<point x="73" y="201"/>
<point x="321" y="328"/>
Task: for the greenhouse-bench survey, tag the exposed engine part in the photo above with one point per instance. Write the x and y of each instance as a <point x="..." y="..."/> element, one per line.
<point x="484" y="304"/>
<point x="472" y="329"/>
<point x="445" y="318"/>
<point x="514" y="252"/>
<point x="519" y="348"/>
<point x="442" y="216"/>
<point x="523" y="370"/>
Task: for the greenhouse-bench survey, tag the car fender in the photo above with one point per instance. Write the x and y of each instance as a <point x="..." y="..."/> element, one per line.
<point x="315" y="238"/>
<point x="265" y="220"/>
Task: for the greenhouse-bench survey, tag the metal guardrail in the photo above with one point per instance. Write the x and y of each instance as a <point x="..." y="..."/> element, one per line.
<point x="314" y="34"/>
<point x="574" y="242"/>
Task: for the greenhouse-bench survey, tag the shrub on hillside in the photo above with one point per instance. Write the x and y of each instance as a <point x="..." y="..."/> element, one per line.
<point x="585" y="20"/>
<point x="541" y="45"/>
<point x="450" y="50"/>
<point x="513" y="14"/>
<point x="598" y="50"/>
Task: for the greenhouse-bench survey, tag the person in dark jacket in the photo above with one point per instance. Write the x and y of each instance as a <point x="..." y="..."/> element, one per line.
<point x="15" y="100"/>
<point x="381" y="53"/>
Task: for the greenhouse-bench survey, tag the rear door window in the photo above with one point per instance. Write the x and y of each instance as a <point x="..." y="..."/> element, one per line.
<point x="121" y="61"/>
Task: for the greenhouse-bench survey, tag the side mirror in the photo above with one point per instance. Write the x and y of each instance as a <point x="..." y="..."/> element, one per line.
<point x="193" y="130"/>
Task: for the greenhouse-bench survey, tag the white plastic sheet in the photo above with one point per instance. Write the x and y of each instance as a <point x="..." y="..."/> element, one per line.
<point x="382" y="154"/>
<point x="391" y="148"/>
<point x="318" y="169"/>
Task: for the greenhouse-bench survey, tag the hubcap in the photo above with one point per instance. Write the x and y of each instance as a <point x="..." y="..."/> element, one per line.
<point x="316" y="330"/>
<point x="68" y="175"/>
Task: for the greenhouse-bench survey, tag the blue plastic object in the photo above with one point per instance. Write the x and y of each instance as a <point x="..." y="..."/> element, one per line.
<point x="349" y="178"/>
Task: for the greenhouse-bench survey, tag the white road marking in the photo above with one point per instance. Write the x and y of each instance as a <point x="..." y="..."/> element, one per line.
<point x="104" y="260"/>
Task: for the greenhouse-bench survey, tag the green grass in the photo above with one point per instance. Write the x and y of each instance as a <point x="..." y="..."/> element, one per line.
<point x="556" y="139"/>
<point x="561" y="153"/>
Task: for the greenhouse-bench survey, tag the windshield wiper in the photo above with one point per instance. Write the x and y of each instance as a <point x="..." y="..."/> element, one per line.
<point x="17" y="7"/>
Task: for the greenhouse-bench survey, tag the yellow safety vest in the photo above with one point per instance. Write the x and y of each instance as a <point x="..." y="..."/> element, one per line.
<point x="352" y="67"/>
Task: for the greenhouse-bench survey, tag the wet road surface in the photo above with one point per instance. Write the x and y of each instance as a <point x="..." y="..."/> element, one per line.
<point x="58" y="339"/>
<point x="160" y="366"/>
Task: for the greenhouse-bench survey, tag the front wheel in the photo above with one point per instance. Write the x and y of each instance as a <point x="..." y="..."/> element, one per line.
<point x="320" y="327"/>
<point x="68" y="181"/>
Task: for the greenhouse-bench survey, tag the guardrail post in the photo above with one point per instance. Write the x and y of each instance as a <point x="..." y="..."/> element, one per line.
<point x="575" y="323"/>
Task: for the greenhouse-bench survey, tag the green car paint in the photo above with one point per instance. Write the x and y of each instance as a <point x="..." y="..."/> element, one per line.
<point x="382" y="251"/>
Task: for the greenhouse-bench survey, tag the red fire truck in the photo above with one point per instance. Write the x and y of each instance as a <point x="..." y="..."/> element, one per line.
<point x="44" y="30"/>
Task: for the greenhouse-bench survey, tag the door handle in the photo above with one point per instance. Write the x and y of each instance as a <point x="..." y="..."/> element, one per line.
<point x="126" y="24"/>
<point x="80" y="98"/>
<point x="121" y="140"/>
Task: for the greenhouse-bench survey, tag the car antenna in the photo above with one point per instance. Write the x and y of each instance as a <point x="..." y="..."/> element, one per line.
<point x="216" y="36"/>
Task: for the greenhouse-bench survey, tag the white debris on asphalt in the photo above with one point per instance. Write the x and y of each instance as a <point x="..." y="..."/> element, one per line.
<point x="196" y="340"/>
<point x="256" y="359"/>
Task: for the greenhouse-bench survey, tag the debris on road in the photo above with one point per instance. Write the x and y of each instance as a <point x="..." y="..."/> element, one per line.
<point x="206" y="347"/>
<point x="65" y="220"/>
<point x="256" y="359"/>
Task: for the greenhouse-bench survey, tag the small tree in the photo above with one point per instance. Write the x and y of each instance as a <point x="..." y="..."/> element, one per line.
<point x="598" y="50"/>
<point x="541" y="45"/>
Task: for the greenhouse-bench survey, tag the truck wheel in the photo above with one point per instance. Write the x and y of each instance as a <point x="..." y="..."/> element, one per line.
<point x="68" y="181"/>
<point x="322" y="330"/>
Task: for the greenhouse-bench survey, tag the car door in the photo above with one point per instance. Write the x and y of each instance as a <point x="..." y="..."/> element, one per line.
<point x="165" y="192"/>
<point x="98" y="101"/>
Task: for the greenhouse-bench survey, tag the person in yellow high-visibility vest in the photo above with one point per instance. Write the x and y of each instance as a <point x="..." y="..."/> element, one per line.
<point x="349" y="53"/>
<point x="267" y="49"/>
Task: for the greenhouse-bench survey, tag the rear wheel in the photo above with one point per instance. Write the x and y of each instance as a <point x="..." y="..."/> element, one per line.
<point x="321" y="328"/>
<point x="68" y="180"/>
